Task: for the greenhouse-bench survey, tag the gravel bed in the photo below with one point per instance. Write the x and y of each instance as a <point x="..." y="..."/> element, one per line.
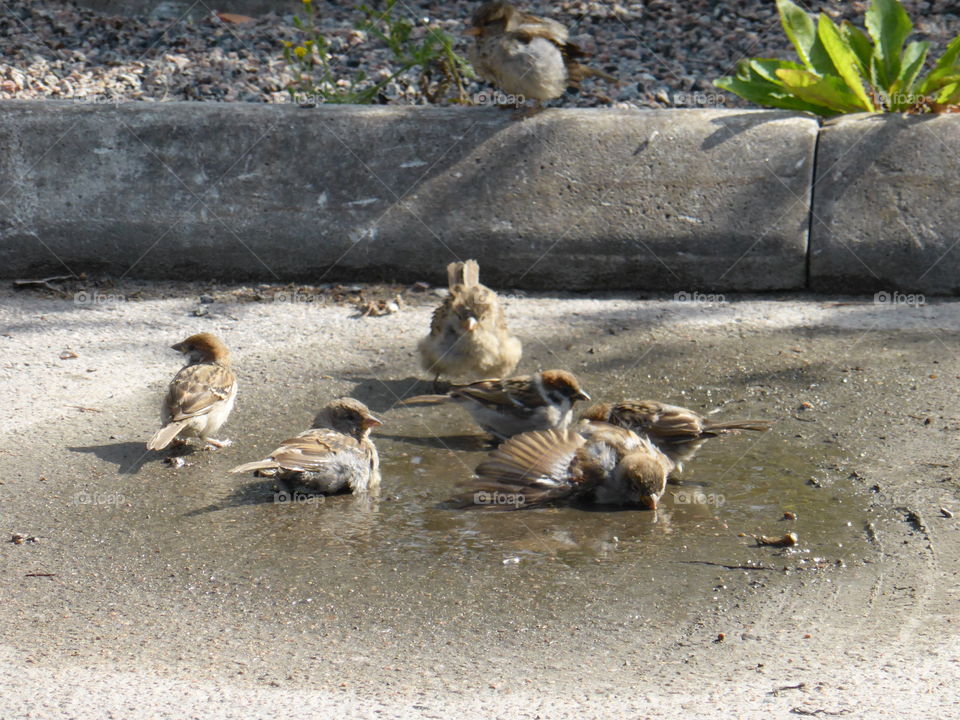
<point x="666" y="54"/>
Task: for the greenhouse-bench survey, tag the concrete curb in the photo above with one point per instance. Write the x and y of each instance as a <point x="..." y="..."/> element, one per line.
<point x="885" y="205"/>
<point x="575" y="199"/>
<point x="683" y="200"/>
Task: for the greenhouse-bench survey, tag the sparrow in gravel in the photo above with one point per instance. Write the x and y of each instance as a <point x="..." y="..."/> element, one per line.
<point x="514" y="405"/>
<point x="335" y="455"/>
<point x="676" y="431"/>
<point x="524" y="55"/>
<point x="468" y="334"/>
<point x="200" y="397"/>
<point x="594" y="462"/>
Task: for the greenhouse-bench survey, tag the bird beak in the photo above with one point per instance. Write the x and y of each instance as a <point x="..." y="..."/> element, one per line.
<point x="370" y="421"/>
<point x="474" y="31"/>
<point x="178" y="347"/>
<point x="581" y="395"/>
<point x="470" y="324"/>
<point x="650" y="503"/>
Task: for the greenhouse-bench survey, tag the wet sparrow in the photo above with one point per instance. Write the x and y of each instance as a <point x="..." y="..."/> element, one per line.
<point x="595" y="462"/>
<point x="514" y="405"/>
<point x="201" y="395"/>
<point x="524" y="55"/>
<point x="678" y="432"/>
<point x="468" y="335"/>
<point x="335" y="455"/>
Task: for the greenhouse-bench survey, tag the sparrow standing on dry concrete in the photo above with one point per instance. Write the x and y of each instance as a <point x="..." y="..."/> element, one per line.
<point x="678" y="432"/>
<point x="335" y="455"/>
<point x="524" y="55"/>
<point x="596" y="462"/>
<point x="514" y="405"/>
<point x="201" y="395"/>
<point x="468" y="335"/>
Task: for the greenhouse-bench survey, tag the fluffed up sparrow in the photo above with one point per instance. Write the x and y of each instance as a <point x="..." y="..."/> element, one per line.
<point x="200" y="397"/>
<point x="335" y="455"/>
<point x="595" y="462"/>
<point x="468" y="334"/>
<point x="524" y="55"/>
<point x="678" y="432"/>
<point x="514" y="405"/>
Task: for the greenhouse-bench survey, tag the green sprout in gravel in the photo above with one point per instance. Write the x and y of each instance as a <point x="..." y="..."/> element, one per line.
<point x="440" y="68"/>
<point x="844" y="70"/>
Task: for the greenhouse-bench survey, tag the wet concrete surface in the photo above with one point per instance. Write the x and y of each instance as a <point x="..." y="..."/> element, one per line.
<point x="194" y="573"/>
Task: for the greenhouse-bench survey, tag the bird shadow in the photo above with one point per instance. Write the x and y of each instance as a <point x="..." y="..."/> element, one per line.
<point x="259" y="492"/>
<point x="130" y="457"/>
<point x="382" y="394"/>
<point x="467" y="443"/>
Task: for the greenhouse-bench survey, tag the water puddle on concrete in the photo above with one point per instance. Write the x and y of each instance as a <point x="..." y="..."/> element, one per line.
<point x="409" y="546"/>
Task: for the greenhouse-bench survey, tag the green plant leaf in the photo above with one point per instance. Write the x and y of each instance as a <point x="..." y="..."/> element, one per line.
<point x="888" y="25"/>
<point x="799" y="27"/>
<point x="902" y="92"/>
<point x="766" y="69"/>
<point x="766" y="94"/>
<point x="945" y="66"/>
<point x="950" y="93"/>
<point x="844" y="59"/>
<point x="860" y="44"/>
<point x="829" y="91"/>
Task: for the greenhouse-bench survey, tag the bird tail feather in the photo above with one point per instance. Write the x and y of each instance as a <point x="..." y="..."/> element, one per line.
<point x="425" y="400"/>
<point x="256" y="465"/>
<point x="465" y="273"/>
<point x="730" y="425"/>
<point x="165" y="435"/>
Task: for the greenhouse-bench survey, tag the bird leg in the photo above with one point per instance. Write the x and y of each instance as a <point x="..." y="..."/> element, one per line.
<point x="213" y="443"/>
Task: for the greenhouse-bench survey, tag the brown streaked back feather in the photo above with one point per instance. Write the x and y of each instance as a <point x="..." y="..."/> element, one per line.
<point x="197" y="388"/>
<point x="495" y="393"/>
<point x="312" y="448"/>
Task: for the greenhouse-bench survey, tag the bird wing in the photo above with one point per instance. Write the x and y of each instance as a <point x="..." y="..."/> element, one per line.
<point x="659" y="420"/>
<point x="314" y="448"/>
<point x="526" y="27"/>
<point x="514" y="393"/>
<point x="197" y="388"/>
<point x="538" y="465"/>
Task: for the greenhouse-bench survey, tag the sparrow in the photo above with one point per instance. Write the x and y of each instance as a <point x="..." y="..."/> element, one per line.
<point x="525" y="55"/>
<point x="595" y="463"/>
<point x="510" y="406"/>
<point x="468" y="334"/>
<point x="676" y="431"/>
<point x="335" y="455"/>
<point x="200" y="397"/>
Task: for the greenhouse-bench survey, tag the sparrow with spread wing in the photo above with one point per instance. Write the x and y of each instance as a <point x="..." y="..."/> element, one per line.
<point x="596" y="462"/>
<point x="468" y="334"/>
<point x="506" y="407"/>
<point x="335" y="455"/>
<point x="525" y="55"/>
<point x="678" y="432"/>
<point x="200" y="397"/>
